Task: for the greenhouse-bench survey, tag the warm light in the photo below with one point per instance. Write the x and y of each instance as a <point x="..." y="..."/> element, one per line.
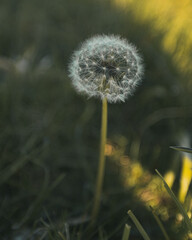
<point x="109" y="149"/>
<point x="179" y="217"/>
<point x="189" y="214"/>
<point x="169" y="178"/>
<point x="186" y="175"/>
<point x="172" y="19"/>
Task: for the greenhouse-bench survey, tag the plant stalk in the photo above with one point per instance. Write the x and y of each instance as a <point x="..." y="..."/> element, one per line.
<point x="101" y="166"/>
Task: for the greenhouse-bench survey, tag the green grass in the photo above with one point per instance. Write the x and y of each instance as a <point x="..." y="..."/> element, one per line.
<point x="49" y="136"/>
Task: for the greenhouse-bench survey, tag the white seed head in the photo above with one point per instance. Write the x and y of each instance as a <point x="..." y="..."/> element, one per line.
<point x="106" y="67"/>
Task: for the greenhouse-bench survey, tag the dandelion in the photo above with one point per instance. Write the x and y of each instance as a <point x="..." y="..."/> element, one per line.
<point x="109" y="68"/>
<point x="106" y="67"/>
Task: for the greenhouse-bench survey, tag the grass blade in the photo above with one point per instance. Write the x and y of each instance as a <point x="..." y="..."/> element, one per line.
<point x="138" y="225"/>
<point x="126" y="232"/>
<point x="179" y="205"/>
<point x="12" y="169"/>
<point x="182" y="149"/>
<point x="160" y="224"/>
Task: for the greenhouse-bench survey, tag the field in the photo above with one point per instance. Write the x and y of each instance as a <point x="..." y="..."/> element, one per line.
<point x="50" y="134"/>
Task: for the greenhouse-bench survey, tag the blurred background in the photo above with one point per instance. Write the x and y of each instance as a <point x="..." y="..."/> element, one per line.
<point x="49" y="135"/>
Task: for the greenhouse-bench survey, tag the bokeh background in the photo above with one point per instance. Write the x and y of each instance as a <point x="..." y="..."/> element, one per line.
<point x="49" y="135"/>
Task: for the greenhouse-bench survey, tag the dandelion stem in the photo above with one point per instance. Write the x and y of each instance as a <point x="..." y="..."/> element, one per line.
<point x="101" y="166"/>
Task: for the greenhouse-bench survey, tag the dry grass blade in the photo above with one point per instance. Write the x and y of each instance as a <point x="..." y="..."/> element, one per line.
<point x="179" y="205"/>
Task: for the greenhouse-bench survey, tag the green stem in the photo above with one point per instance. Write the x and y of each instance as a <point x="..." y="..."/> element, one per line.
<point x="159" y="223"/>
<point x="101" y="166"/>
<point x="138" y="225"/>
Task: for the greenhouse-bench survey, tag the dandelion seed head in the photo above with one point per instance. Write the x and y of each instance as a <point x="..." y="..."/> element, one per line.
<point x="106" y="67"/>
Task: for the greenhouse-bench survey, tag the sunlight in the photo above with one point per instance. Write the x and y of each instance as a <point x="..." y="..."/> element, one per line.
<point x="170" y="178"/>
<point x="186" y="175"/>
<point x="173" y="19"/>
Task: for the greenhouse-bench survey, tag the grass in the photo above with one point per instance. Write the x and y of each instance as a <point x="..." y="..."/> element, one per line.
<point x="49" y="135"/>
